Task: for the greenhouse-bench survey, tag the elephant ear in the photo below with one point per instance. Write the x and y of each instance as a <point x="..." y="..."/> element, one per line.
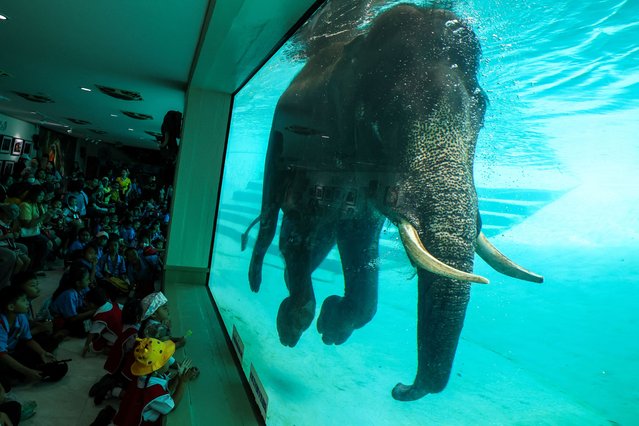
<point x="500" y="263"/>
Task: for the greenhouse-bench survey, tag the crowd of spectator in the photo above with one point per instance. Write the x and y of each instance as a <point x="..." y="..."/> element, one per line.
<point x="110" y="234"/>
<point x="44" y="216"/>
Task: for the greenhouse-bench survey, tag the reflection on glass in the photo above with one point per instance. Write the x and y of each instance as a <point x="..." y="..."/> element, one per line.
<point x="369" y="147"/>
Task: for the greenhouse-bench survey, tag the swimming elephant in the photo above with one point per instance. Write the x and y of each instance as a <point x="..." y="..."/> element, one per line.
<point x="381" y="126"/>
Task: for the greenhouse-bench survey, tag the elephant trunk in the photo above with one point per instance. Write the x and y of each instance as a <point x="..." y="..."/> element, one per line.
<point x="447" y="227"/>
<point x="441" y="310"/>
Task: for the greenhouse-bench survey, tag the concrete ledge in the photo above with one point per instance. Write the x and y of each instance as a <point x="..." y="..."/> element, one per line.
<point x="218" y="396"/>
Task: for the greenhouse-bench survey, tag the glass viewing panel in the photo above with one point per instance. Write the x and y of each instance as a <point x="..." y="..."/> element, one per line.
<point x="368" y="178"/>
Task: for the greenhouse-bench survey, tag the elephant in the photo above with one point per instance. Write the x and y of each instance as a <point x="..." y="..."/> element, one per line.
<point x="381" y="126"/>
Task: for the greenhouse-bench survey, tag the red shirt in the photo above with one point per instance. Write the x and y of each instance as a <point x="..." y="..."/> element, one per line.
<point x="136" y="399"/>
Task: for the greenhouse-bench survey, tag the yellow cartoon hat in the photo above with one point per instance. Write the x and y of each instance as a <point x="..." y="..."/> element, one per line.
<point x="151" y="355"/>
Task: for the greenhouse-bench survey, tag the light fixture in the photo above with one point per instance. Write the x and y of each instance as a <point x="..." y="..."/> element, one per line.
<point x="130" y="129"/>
<point x="86" y="89"/>
<point x="114" y="115"/>
<point x="3" y="18"/>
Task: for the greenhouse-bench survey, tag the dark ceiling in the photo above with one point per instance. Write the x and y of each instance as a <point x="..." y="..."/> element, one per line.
<point x="135" y="57"/>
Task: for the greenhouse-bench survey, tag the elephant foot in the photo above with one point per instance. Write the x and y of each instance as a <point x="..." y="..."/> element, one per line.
<point x="335" y="322"/>
<point x="402" y="392"/>
<point x="293" y="320"/>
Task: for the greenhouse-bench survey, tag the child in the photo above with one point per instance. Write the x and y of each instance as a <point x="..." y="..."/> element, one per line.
<point x="155" y="232"/>
<point x="71" y="213"/>
<point x="102" y="224"/>
<point x="106" y="324"/>
<point x="152" y="396"/>
<point x="128" y="233"/>
<point x="156" y="319"/>
<point x="9" y="213"/>
<point x="142" y="271"/>
<point x="68" y="306"/>
<point x="41" y="330"/>
<point x="57" y="216"/>
<point x="84" y="236"/>
<point x="111" y="264"/>
<point x="21" y="357"/>
<point x="89" y="260"/>
<point x="100" y="242"/>
<point x="115" y="193"/>
<point x="111" y="268"/>
<point x="118" y="364"/>
<point x="10" y="411"/>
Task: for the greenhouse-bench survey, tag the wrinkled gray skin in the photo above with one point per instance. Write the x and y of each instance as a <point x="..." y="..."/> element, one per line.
<point x="382" y="126"/>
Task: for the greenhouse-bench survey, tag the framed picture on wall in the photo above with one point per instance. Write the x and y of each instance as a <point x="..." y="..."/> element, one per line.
<point x="17" y="147"/>
<point x="27" y="147"/>
<point x="7" y="168"/>
<point x="6" y="144"/>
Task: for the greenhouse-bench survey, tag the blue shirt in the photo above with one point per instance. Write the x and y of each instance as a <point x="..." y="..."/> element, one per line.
<point x="128" y="235"/>
<point x="76" y="245"/>
<point x="108" y="267"/>
<point x="83" y="200"/>
<point x="99" y="252"/>
<point x="146" y="273"/>
<point x="68" y="303"/>
<point x="10" y="335"/>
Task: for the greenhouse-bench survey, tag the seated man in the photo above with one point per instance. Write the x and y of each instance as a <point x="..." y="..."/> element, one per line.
<point x="21" y="357"/>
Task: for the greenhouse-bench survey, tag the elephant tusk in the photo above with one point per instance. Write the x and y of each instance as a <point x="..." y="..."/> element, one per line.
<point x="427" y="261"/>
<point x="501" y="263"/>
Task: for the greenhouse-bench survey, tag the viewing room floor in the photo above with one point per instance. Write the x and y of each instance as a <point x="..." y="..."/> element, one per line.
<point x="217" y="397"/>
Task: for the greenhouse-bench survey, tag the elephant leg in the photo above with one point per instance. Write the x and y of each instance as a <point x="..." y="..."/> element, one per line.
<point x="268" y="225"/>
<point x="303" y="246"/>
<point x="358" y="243"/>
<point x="274" y="183"/>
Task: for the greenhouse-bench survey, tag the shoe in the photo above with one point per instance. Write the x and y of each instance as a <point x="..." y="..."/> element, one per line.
<point x="99" y="398"/>
<point x="104" y="416"/>
<point x="28" y="410"/>
<point x="101" y="386"/>
<point x="102" y="389"/>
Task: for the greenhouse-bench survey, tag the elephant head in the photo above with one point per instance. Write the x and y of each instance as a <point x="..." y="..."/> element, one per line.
<point x="382" y="126"/>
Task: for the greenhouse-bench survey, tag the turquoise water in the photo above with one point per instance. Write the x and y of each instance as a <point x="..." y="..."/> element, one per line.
<point x="556" y="176"/>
